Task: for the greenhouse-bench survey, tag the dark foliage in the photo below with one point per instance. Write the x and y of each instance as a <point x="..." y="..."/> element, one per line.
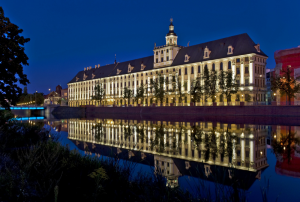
<point x="12" y="59"/>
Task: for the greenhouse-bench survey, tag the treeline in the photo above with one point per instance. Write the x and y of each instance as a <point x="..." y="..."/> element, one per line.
<point x="211" y="85"/>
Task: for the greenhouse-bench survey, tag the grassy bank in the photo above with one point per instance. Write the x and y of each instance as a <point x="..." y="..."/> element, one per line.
<point x="35" y="167"/>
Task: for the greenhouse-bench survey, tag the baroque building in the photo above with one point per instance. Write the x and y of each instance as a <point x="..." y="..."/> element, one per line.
<point x="238" y="54"/>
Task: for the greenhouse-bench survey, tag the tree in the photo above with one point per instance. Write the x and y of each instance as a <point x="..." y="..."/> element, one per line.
<point x="99" y="93"/>
<point x="196" y="91"/>
<point x="159" y="88"/>
<point x="210" y="83"/>
<point x="228" y="84"/>
<point x="286" y="84"/>
<point x="12" y="59"/>
<point x="127" y="94"/>
<point x="177" y="88"/>
<point x="140" y="94"/>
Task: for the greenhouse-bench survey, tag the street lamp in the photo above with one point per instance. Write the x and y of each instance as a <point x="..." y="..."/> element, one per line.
<point x="49" y="96"/>
<point x="35" y="98"/>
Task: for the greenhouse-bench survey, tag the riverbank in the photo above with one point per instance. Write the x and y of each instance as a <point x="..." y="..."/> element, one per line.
<point x="34" y="166"/>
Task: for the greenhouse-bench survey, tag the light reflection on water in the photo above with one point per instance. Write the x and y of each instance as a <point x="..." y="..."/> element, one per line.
<point x="257" y="156"/>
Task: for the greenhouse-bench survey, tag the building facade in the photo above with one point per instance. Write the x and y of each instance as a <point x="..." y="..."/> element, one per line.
<point x="288" y="58"/>
<point x="238" y="54"/>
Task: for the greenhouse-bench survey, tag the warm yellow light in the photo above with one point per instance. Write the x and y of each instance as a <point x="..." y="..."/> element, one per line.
<point x="274" y="93"/>
<point x="284" y="148"/>
<point x="261" y="152"/>
<point x="274" y="136"/>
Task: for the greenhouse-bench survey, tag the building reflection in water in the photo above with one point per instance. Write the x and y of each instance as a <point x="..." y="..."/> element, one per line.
<point x="285" y="144"/>
<point x="201" y="149"/>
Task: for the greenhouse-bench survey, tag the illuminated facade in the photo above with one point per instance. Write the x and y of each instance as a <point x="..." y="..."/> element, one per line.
<point x="238" y="54"/>
<point x="225" y="145"/>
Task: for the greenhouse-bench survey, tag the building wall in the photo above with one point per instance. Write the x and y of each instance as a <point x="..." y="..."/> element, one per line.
<point x="284" y="59"/>
<point x="252" y="82"/>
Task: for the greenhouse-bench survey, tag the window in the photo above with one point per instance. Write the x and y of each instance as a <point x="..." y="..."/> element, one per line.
<point x="173" y="69"/>
<point x="246" y="70"/>
<point x="238" y="60"/>
<point x="238" y="70"/>
<point x="247" y="154"/>
<point x="213" y="67"/>
<point x="247" y="82"/>
<point x="199" y="69"/>
<point x="186" y="58"/>
<point x="230" y="50"/>
<point x="167" y="50"/>
<point x="229" y="64"/>
<point x="192" y="70"/>
<point x="179" y="72"/>
<point x="185" y="71"/>
<point x="162" y="59"/>
<point x="156" y="60"/>
<point x="221" y="66"/>
<point x="167" y="58"/>
<point x="206" y="53"/>
<point x="162" y="51"/>
<point x="156" y="52"/>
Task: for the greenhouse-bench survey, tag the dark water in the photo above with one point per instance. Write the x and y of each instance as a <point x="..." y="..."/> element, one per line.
<point x="254" y="158"/>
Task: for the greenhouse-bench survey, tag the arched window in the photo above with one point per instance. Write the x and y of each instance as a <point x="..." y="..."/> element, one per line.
<point x="229" y="64"/>
<point x="213" y="67"/>
<point x="221" y="66"/>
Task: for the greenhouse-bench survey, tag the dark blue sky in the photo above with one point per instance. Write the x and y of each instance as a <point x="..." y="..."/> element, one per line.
<point x="66" y="36"/>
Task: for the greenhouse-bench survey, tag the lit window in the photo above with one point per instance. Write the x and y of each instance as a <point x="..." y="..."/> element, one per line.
<point x="230" y="50"/>
<point x="206" y="53"/>
<point x="186" y="58"/>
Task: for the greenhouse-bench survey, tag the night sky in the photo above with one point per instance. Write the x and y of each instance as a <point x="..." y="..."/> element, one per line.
<point x="66" y="36"/>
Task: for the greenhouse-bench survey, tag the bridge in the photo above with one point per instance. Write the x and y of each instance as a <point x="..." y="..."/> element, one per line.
<point x="25" y="108"/>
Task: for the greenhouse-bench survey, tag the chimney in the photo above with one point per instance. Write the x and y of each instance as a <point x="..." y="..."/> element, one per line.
<point x="90" y="67"/>
<point x="98" y="65"/>
<point x="95" y="66"/>
<point x="84" y="69"/>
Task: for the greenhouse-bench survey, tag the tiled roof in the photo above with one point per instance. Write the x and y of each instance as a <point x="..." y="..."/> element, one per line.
<point x="242" y="44"/>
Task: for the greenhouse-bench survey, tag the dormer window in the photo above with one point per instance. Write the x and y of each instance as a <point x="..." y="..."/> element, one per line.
<point x="186" y="58"/>
<point x="84" y="76"/>
<point x="77" y="78"/>
<point x="93" y="76"/>
<point x="118" y="71"/>
<point x="143" y="66"/>
<point x="206" y="53"/>
<point x="257" y="47"/>
<point x="130" y="68"/>
<point x="230" y="50"/>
